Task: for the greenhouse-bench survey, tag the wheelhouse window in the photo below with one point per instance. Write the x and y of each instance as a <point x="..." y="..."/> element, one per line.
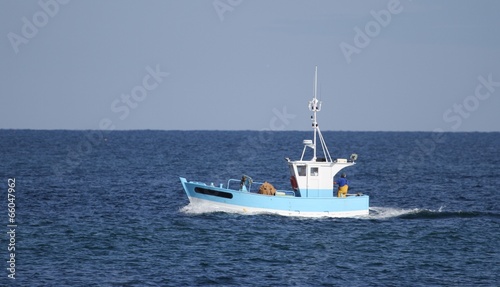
<point x="314" y="171"/>
<point x="301" y="170"/>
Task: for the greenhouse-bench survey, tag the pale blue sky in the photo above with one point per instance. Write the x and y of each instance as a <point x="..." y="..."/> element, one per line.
<point x="249" y="64"/>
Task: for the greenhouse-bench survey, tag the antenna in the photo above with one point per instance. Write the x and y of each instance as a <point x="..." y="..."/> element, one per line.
<point x="315" y="106"/>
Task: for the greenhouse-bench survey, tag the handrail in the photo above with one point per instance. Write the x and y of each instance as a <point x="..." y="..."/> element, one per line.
<point x="287" y="192"/>
<point x="231" y="180"/>
<point x="249" y="183"/>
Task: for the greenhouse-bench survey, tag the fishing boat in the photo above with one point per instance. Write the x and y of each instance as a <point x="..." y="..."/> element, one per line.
<point x="312" y="194"/>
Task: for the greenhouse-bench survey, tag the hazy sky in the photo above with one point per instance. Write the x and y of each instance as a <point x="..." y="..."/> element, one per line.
<point x="249" y="64"/>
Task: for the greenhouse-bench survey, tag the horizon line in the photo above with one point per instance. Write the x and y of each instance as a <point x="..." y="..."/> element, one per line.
<point x="242" y="130"/>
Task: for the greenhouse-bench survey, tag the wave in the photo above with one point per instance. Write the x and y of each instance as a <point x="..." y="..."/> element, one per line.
<point x="201" y="208"/>
<point x="422" y="213"/>
<point x="388" y="212"/>
<point x="377" y="213"/>
<point x="196" y="209"/>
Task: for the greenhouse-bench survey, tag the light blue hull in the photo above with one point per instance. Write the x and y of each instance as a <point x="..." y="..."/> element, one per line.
<point x="230" y="200"/>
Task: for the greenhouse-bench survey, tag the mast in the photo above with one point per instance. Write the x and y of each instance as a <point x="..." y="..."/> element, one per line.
<point x="315" y="106"/>
<point x="315" y="123"/>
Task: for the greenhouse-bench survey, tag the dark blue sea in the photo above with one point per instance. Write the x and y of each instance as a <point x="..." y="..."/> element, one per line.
<point x="107" y="209"/>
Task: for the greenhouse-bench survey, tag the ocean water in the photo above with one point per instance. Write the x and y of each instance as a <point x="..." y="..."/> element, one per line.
<point x="95" y="209"/>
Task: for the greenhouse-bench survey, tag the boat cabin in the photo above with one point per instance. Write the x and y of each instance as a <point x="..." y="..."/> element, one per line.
<point x="314" y="177"/>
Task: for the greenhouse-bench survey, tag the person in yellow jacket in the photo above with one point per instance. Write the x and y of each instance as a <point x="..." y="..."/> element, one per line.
<point x="343" y="184"/>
